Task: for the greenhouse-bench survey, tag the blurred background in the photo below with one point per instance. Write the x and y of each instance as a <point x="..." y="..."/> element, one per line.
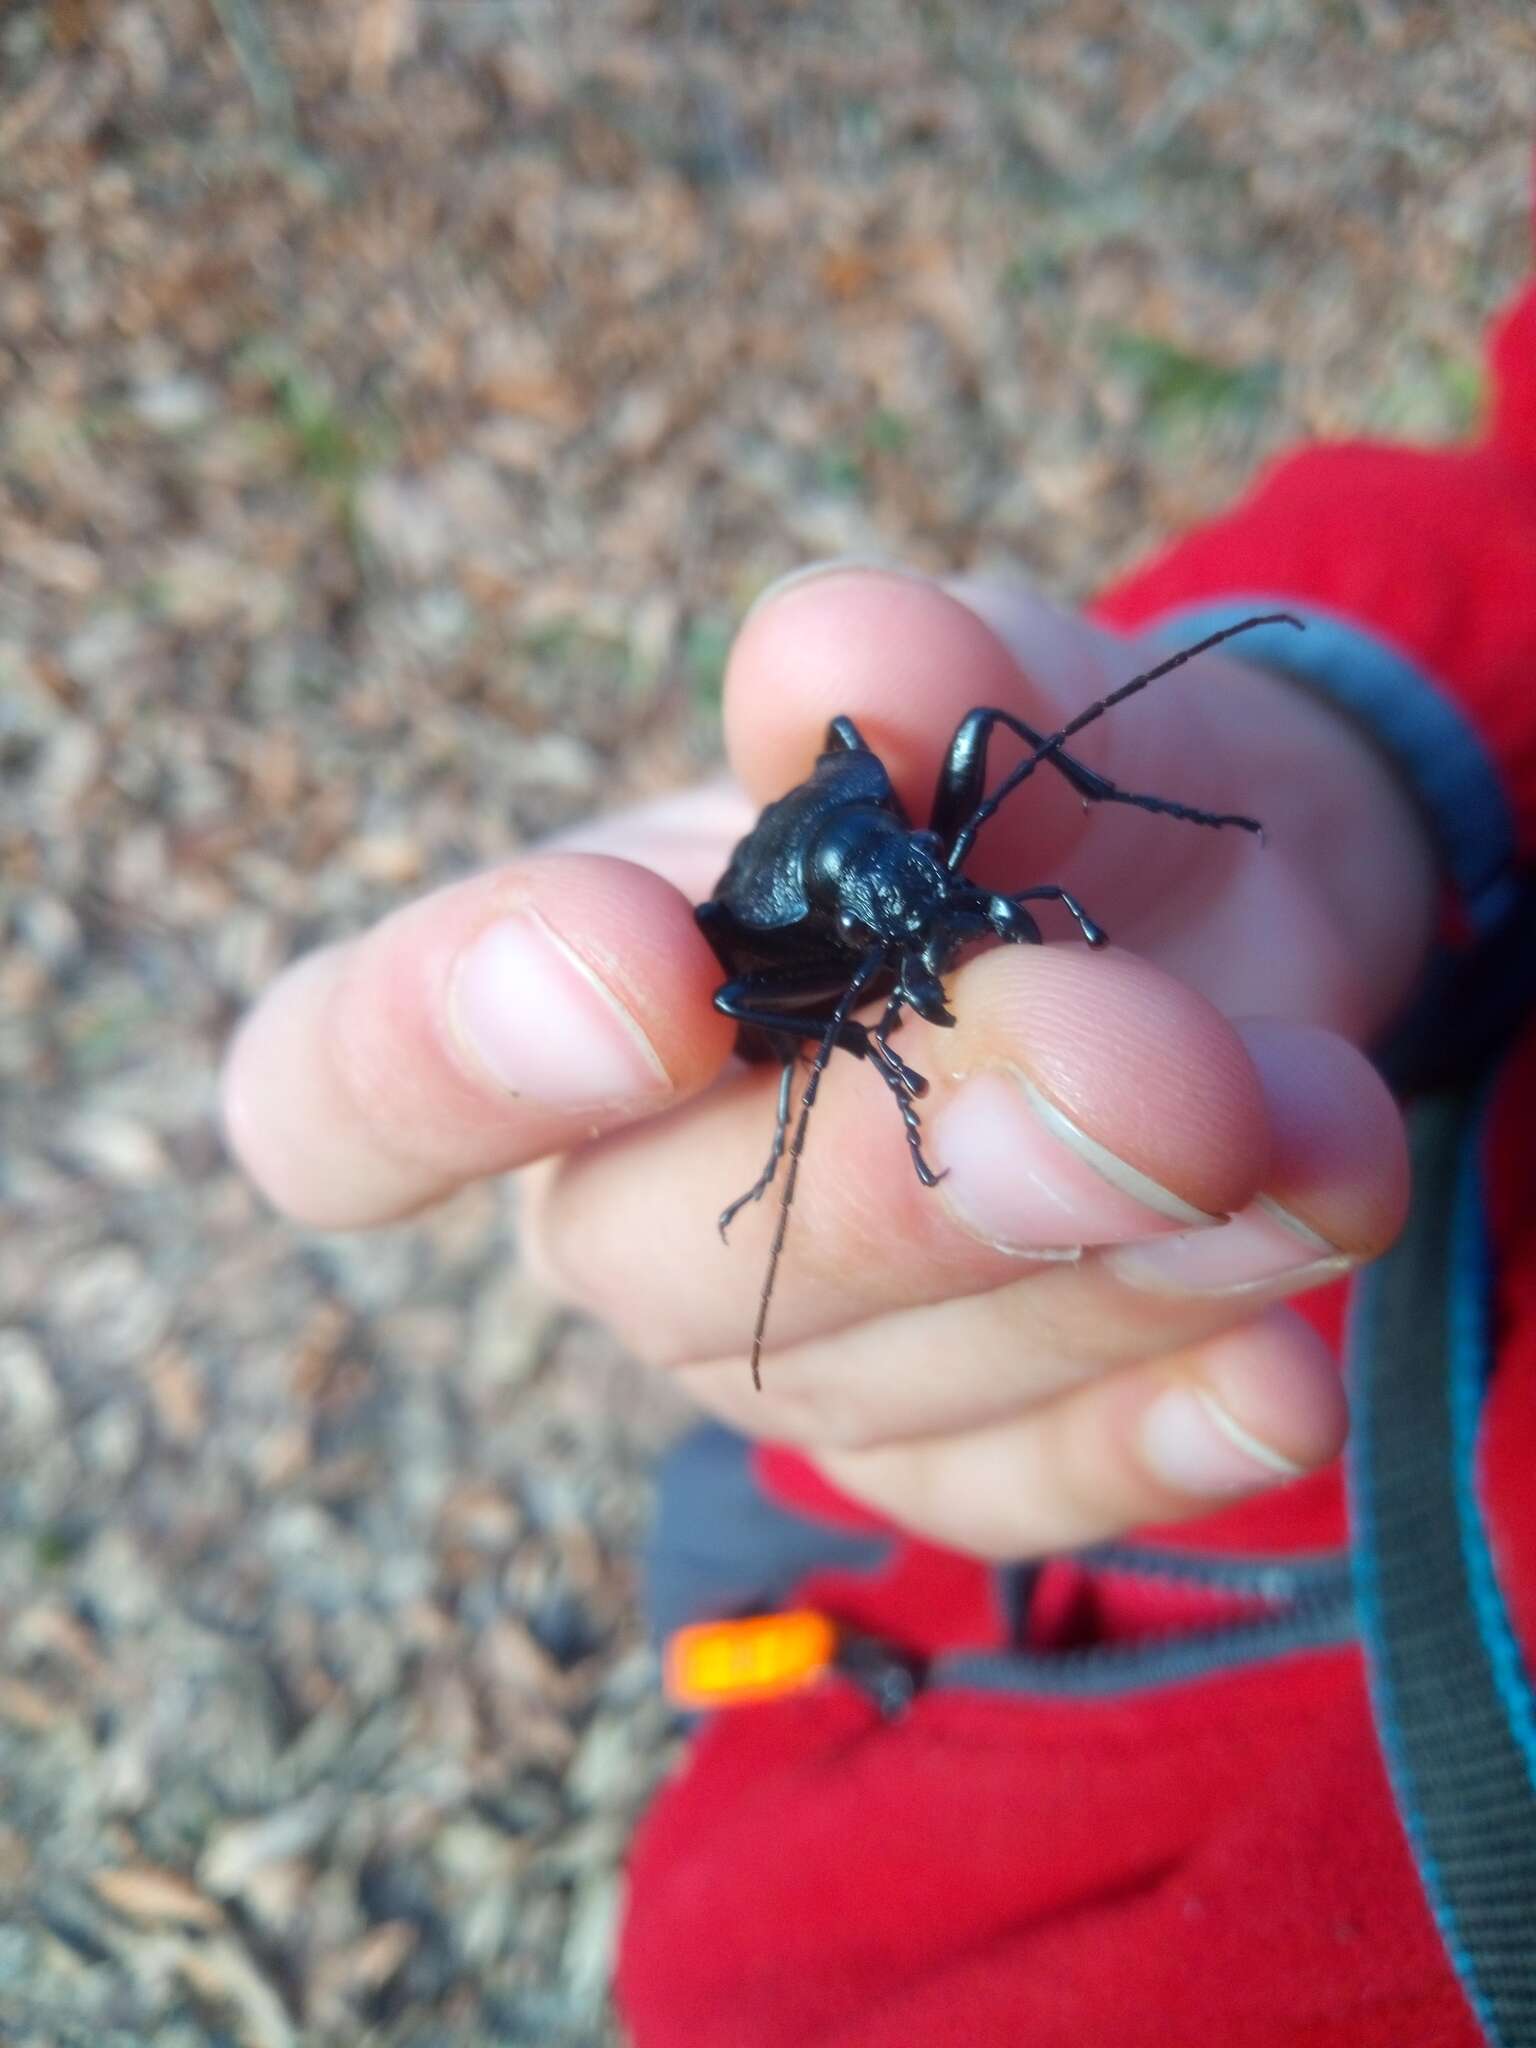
<point x="400" y="400"/>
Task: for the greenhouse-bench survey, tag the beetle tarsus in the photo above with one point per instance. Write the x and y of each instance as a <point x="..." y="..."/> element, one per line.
<point x="1093" y="934"/>
<point x="895" y="1070"/>
<point x="909" y="1116"/>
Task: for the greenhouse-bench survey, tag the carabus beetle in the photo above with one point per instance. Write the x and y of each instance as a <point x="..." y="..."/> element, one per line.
<point x="833" y="901"/>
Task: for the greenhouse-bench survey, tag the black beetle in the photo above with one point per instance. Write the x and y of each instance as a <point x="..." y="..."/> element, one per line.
<point x="833" y="900"/>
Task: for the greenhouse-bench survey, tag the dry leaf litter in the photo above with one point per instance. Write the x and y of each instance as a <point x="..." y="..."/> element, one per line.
<point x="399" y="401"/>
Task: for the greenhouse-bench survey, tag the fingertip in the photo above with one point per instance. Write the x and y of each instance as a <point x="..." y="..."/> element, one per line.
<point x="1250" y="1409"/>
<point x="636" y="933"/>
<point x="886" y="647"/>
<point x="1146" y="1072"/>
<point x="1280" y="1382"/>
<point x="1339" y="1157"/>
<point x="484" y="1026"/>
<point x="1160" y="1441"/>
<point x="277" y="1098"/>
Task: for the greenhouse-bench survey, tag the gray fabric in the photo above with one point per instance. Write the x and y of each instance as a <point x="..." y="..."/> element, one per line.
<point x="719" y="1546"/>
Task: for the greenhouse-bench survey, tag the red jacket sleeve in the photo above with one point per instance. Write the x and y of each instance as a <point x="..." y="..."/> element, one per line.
<point x="1427" y="557"/>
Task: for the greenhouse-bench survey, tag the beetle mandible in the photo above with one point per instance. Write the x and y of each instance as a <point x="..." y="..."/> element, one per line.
<point x="833" y="901"/>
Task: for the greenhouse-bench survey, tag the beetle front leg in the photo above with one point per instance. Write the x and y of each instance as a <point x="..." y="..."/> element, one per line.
<point x="905" y="1085"/>
<point x="1095" y="934"/>
<point x="893" y="1068"/>
<point x="893" y="1077"/>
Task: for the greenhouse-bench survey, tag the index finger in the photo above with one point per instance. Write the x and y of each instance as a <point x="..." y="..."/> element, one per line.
<point x="490" y="1024"/>
<point x="895" y="653"/>
<point x="907" y="661"/>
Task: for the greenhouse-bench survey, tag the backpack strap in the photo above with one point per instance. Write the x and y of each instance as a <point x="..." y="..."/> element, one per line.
<point x="1452" y="1696"/>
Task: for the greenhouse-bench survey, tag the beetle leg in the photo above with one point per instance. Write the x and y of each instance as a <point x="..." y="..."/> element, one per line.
<point x="895" y="1012"/>
<point x="764" y="1180"/>
<point x="1048" y="893"/>
<point x="896" y="1070"/>
<point x="750" y="1001"/>
<point x="914" y="1133"/>
<point x="904" y="1084"/>
<point x="796" y="1001"/>
<point x="1109" y="792"/>
<point x="903" y="1094"/>
<point x="844" y="737"/>
<point x="964" y="767"/>
<point x="863" y="974"/>
<point x="962" y="780"/>
<point x="892" y="1068"/>
<point x="777" y="1003"/>
<point x="963" y="777"/>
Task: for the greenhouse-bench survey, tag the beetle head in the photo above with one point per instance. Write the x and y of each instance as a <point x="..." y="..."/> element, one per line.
<point x="885" y="885"/>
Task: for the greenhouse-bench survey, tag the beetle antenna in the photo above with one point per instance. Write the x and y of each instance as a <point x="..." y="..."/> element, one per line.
<point x="867" y="969"/>
<point x="965" y="839"/>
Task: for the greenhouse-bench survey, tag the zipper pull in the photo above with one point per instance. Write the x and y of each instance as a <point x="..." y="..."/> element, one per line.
<point x="891" y="1680"/>
<point x="754" y="1657"/>
<point x="757" y="1657"/>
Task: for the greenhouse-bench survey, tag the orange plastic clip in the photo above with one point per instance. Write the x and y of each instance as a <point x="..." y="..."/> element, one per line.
<point x="725" y="1663"/>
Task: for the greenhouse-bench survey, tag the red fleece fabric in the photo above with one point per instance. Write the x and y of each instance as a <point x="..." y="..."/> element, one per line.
<point x="1216" y="1861"/>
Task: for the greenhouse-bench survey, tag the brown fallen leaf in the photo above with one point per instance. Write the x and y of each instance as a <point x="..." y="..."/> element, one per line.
<point x="155" y="1896"/>
<point x="385" y="33"/>
<point x="27" y="1707"/>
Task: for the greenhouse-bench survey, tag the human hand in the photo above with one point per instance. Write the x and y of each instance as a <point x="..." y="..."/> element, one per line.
<point x="922" y="1350"/>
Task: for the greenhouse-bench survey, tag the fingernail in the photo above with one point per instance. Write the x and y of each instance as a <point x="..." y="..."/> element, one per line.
<point x="533" y="1016"/>
<point x="1265" y="1248"/>
<point x="1193" y="1445"/>
<point x="1023" y="1177"/>
<point x="835" y="565"/>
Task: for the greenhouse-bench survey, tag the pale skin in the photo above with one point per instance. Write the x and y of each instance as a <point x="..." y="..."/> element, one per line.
<point x="1064" y="1340"/>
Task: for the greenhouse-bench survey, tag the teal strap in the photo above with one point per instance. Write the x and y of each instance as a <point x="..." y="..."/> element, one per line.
<point x="1452" y="1695"/>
